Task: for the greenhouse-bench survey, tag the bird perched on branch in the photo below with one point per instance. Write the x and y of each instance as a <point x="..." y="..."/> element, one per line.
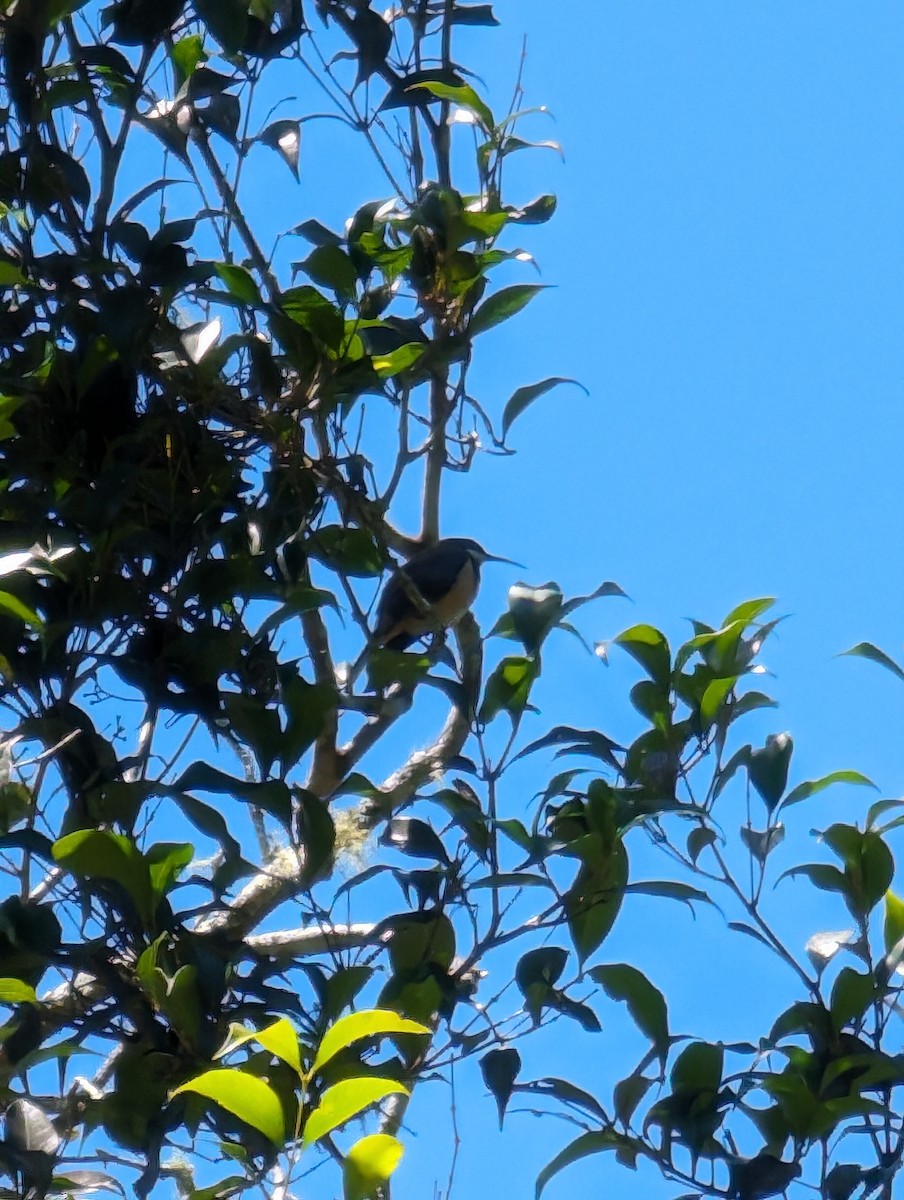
<point x="431" y="591"/>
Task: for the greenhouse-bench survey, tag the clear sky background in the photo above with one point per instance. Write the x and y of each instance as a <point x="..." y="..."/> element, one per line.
<point x="728" y="262"/>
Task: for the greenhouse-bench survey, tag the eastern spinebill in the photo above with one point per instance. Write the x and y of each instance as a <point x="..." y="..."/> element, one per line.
<point x="432" y="591"/>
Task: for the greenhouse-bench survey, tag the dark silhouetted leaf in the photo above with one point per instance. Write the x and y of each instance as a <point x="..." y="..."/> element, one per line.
<point x="874" y="654"/>
<point x="500" y="1070"/>
<point x="768" y="768"/>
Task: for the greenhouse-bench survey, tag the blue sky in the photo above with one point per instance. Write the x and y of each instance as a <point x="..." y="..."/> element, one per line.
<point x="728" y="262"/>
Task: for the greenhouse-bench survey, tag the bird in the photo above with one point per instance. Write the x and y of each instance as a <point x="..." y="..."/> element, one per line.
<point x="432" y="591"/>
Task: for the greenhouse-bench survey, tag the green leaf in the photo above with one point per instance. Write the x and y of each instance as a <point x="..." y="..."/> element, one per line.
<point x="331" y="267"/>
<point x="368" y="1165"/>
<point x="186" y="54"/>
<point x="373" y="37"/>
<point x="365" y="1024"/>
<point x="669" y="889"/>
<point x="646" y="1003"/>
<point x="715" y="696"/>
<point x="803" y="791"/>
<point x="280" y="1039"/>
<point x="852" y="994"/>
<point x="345" y="1100"/>
<point x="502" y="305"/>
<point x="15" y="608"/>
<point x="500" y="1069"/>
<point x="761" y="843"/>
<point x="284" y="137"/>
<point x="508" y="688"/>
<point x="227" y="21"/>
<point x="310" y="309"/>
<point x="272" y="795"/>
<point x="594" y="899"/>
<point x="349" y="549"/>
<point x="10" y="274"/>
<point x="648" y="647"/>
<point x="316" y="832"/>
<point x="239" y="283"/>
<point x="16" y="802"/>
<point x="15" y="991"/>
<point x="102" y="854"/>
<point x="525" y="396"/>
<point x="697" y="841"/>
<point x="398" y="360"/>
<point x="409" y="835"/>
<point x="868" y="865"/>
<point x="768" y="768"/>
<point x="561" y="1089"/>
<point x="537" y="212"/>
<point x="464" y="96"/>
<point x="473" y="14"/>
<point x="698" y="1068"/>
<point x="893" y="928"/>
<point x="534" y="612"/>
<point x="245" y="1096"/>
<point x="749" y="610"/>
<point x="874" y="654"/>
<point x="821" y="875"/>
<point x="588" y="1143"/>
<point x="517" y="879"/>
<point x="317" y="233"/>
<point x="166" y="861"/>
<point x="627" y="1094"/>
<point x="588" y="742"/>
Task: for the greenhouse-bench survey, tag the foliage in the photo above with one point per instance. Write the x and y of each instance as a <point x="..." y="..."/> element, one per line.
<point x="202" y="460"/>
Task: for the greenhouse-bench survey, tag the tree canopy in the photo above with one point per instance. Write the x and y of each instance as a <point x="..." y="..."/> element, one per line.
<point x="225" y="938"/>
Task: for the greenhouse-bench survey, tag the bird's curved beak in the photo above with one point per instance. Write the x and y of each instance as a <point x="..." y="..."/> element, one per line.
<point x="499" y="558"/>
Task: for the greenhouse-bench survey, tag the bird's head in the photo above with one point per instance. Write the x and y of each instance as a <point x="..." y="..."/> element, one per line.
<point x="478" y="555"/>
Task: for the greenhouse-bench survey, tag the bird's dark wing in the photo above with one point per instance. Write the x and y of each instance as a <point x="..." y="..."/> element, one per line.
<point x="433" y="573"/>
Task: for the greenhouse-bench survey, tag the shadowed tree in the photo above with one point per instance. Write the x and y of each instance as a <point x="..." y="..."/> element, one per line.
<point x="208" y="428"/>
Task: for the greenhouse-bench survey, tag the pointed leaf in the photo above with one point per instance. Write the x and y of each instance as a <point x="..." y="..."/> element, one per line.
<point x="285" y="137"/>
<point x="14" y="991"/>
<point x="500" y="1069"/>
<point x="768" y="768"/>
<point x="874" y="654"/>
<point x="646" y="1003"/>
<point x="502" y="305"/>
<point x="245" y="1096"/>
<point x="368" y="1023"/>
<point x="345" y="1100"/>
<point x="588" y="1143"/>
<point x="239" y="282"/>
<point x="525" y="396"/>
<point x="803" y="791"/>
<point x="464" y="96"/>
<point x="650" y="648"/>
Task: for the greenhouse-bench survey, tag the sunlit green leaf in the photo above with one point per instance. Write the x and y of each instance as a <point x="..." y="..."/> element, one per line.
<point x="245" y="1096"/>
<point x="365" y="1024"/>
<point x="368" y="1165"/>
<point x="15" y="991"/>
<point x="345" y="1100"/>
